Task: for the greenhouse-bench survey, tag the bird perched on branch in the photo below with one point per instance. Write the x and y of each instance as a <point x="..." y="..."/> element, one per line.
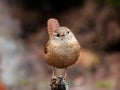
<point x="62" y="49"/>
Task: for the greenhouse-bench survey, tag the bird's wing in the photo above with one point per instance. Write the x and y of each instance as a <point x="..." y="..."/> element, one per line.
<point x="45" y="48"/>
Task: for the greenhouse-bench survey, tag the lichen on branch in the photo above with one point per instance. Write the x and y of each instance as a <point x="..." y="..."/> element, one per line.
<point x="58" y="83"/>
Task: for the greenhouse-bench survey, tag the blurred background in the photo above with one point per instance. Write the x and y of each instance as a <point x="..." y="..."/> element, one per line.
<point x="23" y="35"/>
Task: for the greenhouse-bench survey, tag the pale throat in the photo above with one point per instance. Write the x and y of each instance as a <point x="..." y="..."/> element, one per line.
<point x="64" y="42"/>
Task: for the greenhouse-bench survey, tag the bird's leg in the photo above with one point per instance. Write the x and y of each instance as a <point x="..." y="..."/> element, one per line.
<point x="59" y="73"/>
<point x="53" y="74"/>
<point x="65" y="73"/>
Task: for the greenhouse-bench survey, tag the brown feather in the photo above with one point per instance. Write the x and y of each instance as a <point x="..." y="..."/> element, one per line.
<point x="45" y="48"/>
<point x="52" y="25"/>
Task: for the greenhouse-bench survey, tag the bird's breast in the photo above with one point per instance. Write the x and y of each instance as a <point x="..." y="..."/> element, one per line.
<point x="62" y="55"/>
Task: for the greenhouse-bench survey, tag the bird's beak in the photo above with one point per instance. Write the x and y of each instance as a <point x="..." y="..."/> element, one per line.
<point x="63" y="35"/>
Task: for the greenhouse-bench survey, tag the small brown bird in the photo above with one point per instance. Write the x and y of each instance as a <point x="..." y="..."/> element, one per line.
<point x="62" y="49"/>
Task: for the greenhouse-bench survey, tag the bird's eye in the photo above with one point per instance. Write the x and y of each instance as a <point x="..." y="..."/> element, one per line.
<point x="58" y="35"/>
<point x="68" y="32"/>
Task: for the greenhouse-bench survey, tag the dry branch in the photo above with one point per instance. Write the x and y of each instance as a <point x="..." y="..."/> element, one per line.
<point x="58" y="83"/>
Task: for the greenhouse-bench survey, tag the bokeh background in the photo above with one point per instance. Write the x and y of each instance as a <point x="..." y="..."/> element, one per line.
<point x="23" y="35"/>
